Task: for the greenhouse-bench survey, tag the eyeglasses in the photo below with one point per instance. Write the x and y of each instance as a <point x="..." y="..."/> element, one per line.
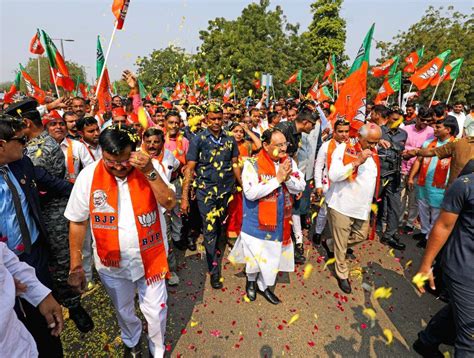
<point x="282" y="145"/>
<point x="113" y="163"/>
<point x="22" y="140"/>
<point x="426" y="120"/>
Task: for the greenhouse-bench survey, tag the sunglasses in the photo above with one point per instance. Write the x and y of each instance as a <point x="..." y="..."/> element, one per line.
<point x="426" y="120"/>
<point x="22" y="140"/>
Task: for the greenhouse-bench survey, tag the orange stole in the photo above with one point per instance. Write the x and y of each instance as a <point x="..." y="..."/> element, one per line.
<point x="147" y="220"/>
<point x="268" y="206"/>
<point x="70" y="162"/>
<point x="441" y="170"/>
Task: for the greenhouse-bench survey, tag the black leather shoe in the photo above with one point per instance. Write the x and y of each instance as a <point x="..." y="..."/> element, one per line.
<point x="344" y="285"/>
<point x="317" y="239"/>
<point x="299" y="254"/>
<point x="181" y="245"/>
<point x="422" y="244"/>
<point x="426" y="351"/>
<point x="134" y="352"/>
<point x="81" y="318"/>
<point x="270" y="296"/>
<point x="350" y="254"/>
<point x="216" y="281"/>
<point x="419" y="236"/>
<point x="392" y="243"/>
<point x="251" y="289"/>
<point x="329" y="253"/>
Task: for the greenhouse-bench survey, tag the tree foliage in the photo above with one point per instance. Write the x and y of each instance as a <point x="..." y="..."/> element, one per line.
<point x="439" y="30"/>
<point x="163" y="68"/>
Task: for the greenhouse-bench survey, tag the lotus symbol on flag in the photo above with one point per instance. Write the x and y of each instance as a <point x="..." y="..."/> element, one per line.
<point x="148" y="219"/>
<point x="431" y="72"/>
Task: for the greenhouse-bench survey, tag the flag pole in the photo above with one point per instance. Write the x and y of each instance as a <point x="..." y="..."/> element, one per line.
<point x="337" y="86"/>
<point x="39" y="72"/>
<point x="106" y="57"/>
<point x="451" y="90"/>
<point x="434" y="93"/>
<point x="301" y="84"/>
<point x="54" y="79"/>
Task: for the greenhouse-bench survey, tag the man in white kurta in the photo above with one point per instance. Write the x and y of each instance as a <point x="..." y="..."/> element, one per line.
<point x="353" y="175"/>
<point x="122" y="282"/>
<point x="321" y="180"/>
<point x="265" y="253"/>
<point x="15" y="340"/>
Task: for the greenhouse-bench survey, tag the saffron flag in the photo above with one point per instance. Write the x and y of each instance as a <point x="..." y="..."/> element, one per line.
<point x="422" y="78"/>
<point x="8" y="98"/>
<point x="323" y="94"/>
<point x="294" y="77"/>
<point x="58" y="66"/>
<point x="389" y="87"/>
<point x="449" y="72"/>
<point x="330" y="67"/>
<point x="32" y="88"/>
<point x="384" y="68"/>
<point x="351" y="102"/>
<point x="104" y="98"/>
<point x="35" y="44"/>
<point x="313" y="91"/>
<point x="119" y="9"/>
<point x="228" y="90"/>
<point x="413" y="59"/>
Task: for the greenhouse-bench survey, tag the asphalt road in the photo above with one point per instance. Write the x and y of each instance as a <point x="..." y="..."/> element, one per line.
<point x="315" y="319"/>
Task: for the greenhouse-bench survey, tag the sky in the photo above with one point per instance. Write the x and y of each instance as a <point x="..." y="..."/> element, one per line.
<point x="155" y="24"/>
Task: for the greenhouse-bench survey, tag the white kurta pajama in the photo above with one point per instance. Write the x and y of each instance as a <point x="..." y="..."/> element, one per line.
<point x="268" y="256"/>
<point x="121" y="283"/>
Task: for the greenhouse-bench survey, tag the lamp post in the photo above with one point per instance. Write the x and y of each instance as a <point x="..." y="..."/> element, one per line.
<point x="62" y="45"/>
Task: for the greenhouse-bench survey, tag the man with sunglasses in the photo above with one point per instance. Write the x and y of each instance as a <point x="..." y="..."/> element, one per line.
<point x="46" y="153"/>
<point x="212" y="159"/>
<point x="129" y="239"/>
<point x="23" y="226"/>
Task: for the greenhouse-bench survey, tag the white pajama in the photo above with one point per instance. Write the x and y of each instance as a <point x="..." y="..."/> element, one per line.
<point x="87" y="254"/>
<point x="321" y="219"/>
<point x="428" y="216"/>
<point x="152" y="301"/>
<point x="297" y="229"/>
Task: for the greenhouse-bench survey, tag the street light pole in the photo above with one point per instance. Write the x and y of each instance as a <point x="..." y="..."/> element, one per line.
<point x="62" y="45"/>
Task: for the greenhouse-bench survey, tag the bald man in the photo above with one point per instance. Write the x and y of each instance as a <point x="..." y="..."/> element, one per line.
<point x="354" y="176"/>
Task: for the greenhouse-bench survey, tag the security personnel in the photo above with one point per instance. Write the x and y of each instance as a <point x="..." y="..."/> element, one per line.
<point x="390" y="152"/>
<point x="213" y="158"/>
<point x="46" y="153"/>
<point x="24" y="228"/>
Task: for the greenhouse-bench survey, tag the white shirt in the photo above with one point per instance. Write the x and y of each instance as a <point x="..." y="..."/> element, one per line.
<point x="321" y="179"/>
<point x="96" y="152"/>
<point x="15" y="340"/>
<point x="80" y="155"/>
<point x="253" y="190"/>
<point x="77" y="210"/>
<point x="352" y="198"/>
<point x="169" y="163"/>
<point x="460" y="117"/>
<point x="307" y="152"/>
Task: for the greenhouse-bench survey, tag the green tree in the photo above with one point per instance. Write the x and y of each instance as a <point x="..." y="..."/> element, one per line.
<point x="163" y="68"/>
<point x="327" y="31"/>
<point x="439" y="30"/>
<point x="31" y="67"/>
<point x="259" y="40"/>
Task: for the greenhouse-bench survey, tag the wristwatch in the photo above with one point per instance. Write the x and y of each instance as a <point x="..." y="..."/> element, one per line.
<point x="152" y="175"/>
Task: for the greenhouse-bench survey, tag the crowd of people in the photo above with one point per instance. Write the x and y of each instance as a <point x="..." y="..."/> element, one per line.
<point x="121" y="191"/>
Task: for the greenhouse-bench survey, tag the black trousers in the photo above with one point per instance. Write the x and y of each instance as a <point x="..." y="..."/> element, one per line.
<point x="35" y="323"/>
<point x="390" y="195"/>
<point x="454" y="323"/>
<point x="213" y="232"/>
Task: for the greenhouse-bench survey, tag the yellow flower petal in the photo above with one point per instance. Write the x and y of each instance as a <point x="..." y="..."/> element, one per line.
<point x="382" y="292"/>
<point x="246" y="299"/>
<point x="294" y="319"/>
<point x="194" y="324"/>
<point x="307" y="271"/>
<point x="329" y="262"/>
<point x="419" y="280"/>
<point x="369" y="313"/>
<point x="408" y="264"/>
<point x="388" y="335"/>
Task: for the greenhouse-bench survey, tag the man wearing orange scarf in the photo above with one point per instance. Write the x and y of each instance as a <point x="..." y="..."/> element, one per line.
<point x="354" y="175"/>
<point x="433" y="176"/>
<point x="264" y="244"/>
<point x="123" y="195"/>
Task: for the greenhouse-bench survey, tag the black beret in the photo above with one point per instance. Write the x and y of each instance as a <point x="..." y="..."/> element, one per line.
<point x="19" y="108"/>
